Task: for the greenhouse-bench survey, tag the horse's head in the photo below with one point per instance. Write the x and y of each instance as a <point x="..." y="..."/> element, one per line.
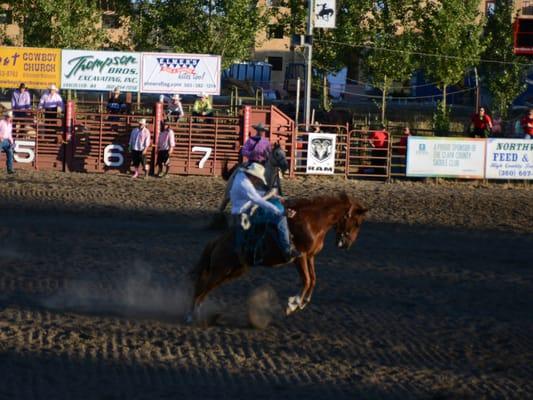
<point x="347" y="227"/>
<point x="278" y="158"/>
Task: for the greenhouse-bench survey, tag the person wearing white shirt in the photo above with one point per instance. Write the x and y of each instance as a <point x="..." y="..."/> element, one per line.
<point x="175" y="108"/>
<point x="138" y="145"/>
<point x="165" y="145"/>
<point x="244" y="194"/>
<point x="6" y="139"/>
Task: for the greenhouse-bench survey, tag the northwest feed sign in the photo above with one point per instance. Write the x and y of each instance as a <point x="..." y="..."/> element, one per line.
<point x="180" y="73"/>
<point x="321" y="153"/>
<point x="37" y="68"/>
<point x="100" y="70"/>
<point x="509" y="159"/>
<point x="445" y="157"/>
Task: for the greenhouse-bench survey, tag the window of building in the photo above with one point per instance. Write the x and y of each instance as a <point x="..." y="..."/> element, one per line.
<point x="6" y="17"/>
<point x="275" y="32"/>
<point x="110" y="21"/>
<point x="490" y="7"/>
<point x="276" y="62"/>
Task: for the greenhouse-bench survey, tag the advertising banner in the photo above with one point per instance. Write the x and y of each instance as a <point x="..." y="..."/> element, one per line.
<point x="37" y="68"/>
<point x="321" y="153"/>
<point x="100" y="70"/>
<point x="445" y="157"/>
<point x="509" y="159"/>
<point x="180" y="73"/>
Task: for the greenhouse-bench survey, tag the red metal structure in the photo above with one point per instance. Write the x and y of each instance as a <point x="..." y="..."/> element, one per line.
<point x="523" y="29"/>
<point x="88" y="140"/>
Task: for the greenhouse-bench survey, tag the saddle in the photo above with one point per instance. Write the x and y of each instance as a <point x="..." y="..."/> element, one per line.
<point x="254" y="232"/>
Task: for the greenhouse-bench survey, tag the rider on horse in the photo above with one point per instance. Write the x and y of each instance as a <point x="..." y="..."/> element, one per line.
<point x="247" y="191"/>
<point x="257" y="148"/>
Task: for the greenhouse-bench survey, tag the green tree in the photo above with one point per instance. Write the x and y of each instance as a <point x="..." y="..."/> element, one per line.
<point x="392" y="34"/>
<point x="225" y="27"/>
<point x="504" y="80"/>
<point x="451" y="30"/>
<point x="59" y="23"/>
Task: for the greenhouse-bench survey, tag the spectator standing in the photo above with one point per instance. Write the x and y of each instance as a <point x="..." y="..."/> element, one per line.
<point x="21" y="102"/>
<point x="202" y="106"/>
<point x="52" y="104"/>
<point x="379" y="142"/>
<point x="6" y="136"/>
<point x="175" y="108"/>
<point x="257" y="148"/>
<point x="138" y="145"/>
<point x="527" y="125"/>
<point x="481" y="124"/>
<point x="165" y="146"/>
<point x="403" y="141"/>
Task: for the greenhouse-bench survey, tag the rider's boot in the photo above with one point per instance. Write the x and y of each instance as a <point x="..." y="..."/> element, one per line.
<point x="289" y="251"/>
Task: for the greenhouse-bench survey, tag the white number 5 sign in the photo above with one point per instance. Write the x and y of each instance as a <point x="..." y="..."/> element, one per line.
<point x="201" y="149"/>
<point x="24" y="147"/>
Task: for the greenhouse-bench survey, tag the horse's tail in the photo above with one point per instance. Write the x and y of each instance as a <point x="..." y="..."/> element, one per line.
<point x="226" y="173"/>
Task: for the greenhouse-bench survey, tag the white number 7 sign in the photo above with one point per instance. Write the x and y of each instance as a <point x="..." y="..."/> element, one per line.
<point x="201" y="149"/>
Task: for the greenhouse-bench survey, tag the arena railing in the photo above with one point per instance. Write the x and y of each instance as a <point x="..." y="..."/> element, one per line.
<point x="341" y="147"/>
<point x="39" y="140"/>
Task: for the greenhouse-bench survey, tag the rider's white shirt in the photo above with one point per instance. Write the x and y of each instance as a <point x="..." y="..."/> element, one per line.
<point x="243" y="194"/>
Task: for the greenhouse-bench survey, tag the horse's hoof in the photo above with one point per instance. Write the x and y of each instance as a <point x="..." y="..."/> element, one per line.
<point x="293" y="304"/>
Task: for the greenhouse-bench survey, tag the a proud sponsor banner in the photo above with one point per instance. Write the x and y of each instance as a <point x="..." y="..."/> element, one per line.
<point x="180" y="73"/>
<point x="100" y="70"/>
<point x="321" y="153"/>
<point x="509" y="159"/>
<point x="37" y="68"/>
<point x="446" y="157"/>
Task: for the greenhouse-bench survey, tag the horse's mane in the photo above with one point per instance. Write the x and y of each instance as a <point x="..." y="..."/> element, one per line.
<point x="321" y="202"/>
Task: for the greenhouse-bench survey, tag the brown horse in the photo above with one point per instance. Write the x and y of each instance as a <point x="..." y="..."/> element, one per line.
<point x="314" y="217"/>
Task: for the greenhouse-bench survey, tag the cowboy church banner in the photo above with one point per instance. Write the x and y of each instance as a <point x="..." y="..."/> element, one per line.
<point x="180" y="73"/>
<point x="321" y="153"/>
<point x="100" y="70"/>
<point x="37" y="68"/>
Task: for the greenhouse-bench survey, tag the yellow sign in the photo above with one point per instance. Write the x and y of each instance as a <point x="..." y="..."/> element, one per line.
<point x="37" y="68"/>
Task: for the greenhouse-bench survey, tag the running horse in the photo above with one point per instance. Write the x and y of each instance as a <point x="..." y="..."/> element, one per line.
<point x="314" y="218"/>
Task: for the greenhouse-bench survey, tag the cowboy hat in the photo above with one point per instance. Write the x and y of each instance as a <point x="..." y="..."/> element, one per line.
<point x="8" y="114"/>
<point x="142" y="121"/>
<point x="53" y="87"/>
<point x="260" y="127"/>
<point x="116" y="90"/>
<point x="257" y="170"/>
<point x="176" y="97"/>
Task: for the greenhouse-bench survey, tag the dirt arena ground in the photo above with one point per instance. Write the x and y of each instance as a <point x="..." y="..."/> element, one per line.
<point x="434" y="301"/>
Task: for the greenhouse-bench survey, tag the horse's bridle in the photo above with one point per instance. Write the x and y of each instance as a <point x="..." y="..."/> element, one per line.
<point x="341" y="226"/>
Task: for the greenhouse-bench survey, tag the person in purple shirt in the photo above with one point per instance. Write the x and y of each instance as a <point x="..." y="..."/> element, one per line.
<point x="21" y="102"/>
<point x="257" y="148"/>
